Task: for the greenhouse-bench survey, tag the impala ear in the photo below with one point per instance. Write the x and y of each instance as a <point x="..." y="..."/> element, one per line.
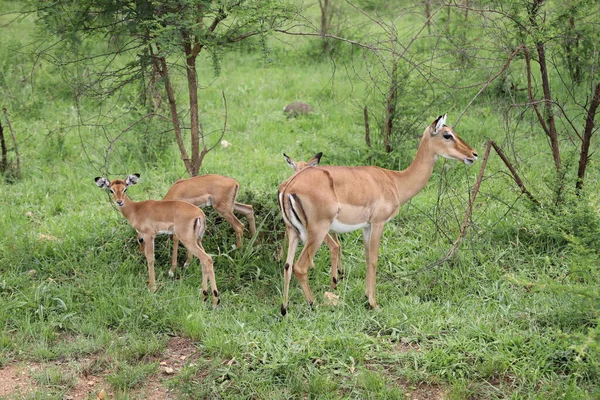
<point x="290" y="162"/>
<point x="102" y="183"/>
<point x="439" y="123"/>
<point x="132" y="179"/>
<point x="313" y="162"/>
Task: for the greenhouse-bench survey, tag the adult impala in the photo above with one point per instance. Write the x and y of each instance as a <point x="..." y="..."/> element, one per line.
<point x="152" y="217"/>
<point x="331" y="239"/>
<point x="342" y="199"/>
<point x="217" y="191"/>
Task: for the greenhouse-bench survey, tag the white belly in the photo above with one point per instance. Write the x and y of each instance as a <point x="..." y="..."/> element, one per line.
<point x="340" y="227"/>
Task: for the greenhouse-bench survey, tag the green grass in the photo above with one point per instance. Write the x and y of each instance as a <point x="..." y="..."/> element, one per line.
<point x="512" y="315"/>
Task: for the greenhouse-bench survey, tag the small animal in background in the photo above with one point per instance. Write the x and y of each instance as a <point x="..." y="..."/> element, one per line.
<point x="153" y="217"/>
<point x="341" y="199"/>
<point x="296" y="109"/>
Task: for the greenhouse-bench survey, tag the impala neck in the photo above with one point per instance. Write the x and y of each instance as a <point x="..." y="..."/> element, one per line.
<point x="410" y="181"/>
<point x="128" y="208"/>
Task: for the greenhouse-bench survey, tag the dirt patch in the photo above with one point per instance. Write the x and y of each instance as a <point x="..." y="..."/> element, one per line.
<point x="425" y="392"/>
<point x="90" y="387"/>
<point x="179" y="353"/>
<point x="16" y="380"/>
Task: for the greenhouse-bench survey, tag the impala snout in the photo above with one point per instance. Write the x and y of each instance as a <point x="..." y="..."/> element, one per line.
<point x="471" y="160"/>
<point x="120" y="203"/>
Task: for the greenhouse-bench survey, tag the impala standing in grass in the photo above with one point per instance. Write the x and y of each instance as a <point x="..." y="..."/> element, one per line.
<point x="318" y="200"/>
<point x="331" y="239"/>
<point x="220" y="193"/>
<point x="152" y="217"/>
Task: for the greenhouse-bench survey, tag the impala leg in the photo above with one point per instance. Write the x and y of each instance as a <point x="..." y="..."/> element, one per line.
<point x="208" y="273"/>
<point x="238" y="226"/>
<point x="372" y="239"/>
<point x="189" y="258"/>
<point x="281" y="250"/>
<point x="149" y="253"/>
<point x="174" y="258"/>
<point x="334" y="251"/>
<point x="339" y="268"/>
<point x="140" y="241"/>
<point x="293" y="238"/>
<point x="305" y="260"/>
<point x="248" y="211"/>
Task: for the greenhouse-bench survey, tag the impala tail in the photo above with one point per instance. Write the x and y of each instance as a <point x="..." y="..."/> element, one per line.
<point x="293" y="213"/>
<point x="199" y="228"/>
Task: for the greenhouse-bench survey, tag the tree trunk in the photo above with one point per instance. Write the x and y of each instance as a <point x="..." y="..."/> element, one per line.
<point x="326" y="15"/>
<point x="390" y="108"/>
<point x="549" y="123"/>
<point x="552" y="132"/>
<point x="587" y="136"/>
<point x="192" y="80"/>
<point x="4" y="160"/>
<point x="367" y="127"/>
<point x="162" y="67"/>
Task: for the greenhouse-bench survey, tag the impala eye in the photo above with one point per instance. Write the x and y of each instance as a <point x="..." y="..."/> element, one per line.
<point x="448" y="136"/>
<point x="112" y="191"/>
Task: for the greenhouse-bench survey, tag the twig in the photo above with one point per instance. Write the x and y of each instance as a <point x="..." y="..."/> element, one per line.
<point x="468" y="213"/>
<point x="491" y="79"/>
<point x="512" y="170"/>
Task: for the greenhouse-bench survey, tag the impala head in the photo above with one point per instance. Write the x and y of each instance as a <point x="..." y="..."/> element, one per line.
<point x="446" y="143"/>
<point x="298" y="165"/>
<point x="118" y="187"/>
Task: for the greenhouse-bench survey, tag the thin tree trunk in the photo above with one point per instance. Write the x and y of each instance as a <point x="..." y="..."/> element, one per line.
<point x="390" y="108"/>
<point x="4" y="160"/>
<point x="14" y="140"/>
<point x="367" y="127"/>
<point x="162" y="68"/>
<point x="587" y="136"/>
<point x="553" y="134"/>
<point x="192" y="80"/>
<point x="326" y="16"/>
<point x="549" y="125"/>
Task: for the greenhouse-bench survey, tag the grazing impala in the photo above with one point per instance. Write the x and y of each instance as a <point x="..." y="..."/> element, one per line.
<point x="330" y="239"/>
<point x="342" y="199"/>
<point x="219" y="192"/>
<point x="152" y="217"/>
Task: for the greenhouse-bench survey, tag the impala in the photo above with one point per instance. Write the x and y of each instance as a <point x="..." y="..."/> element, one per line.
<point x="152" y="217"/>
<point x="330" y="239"/>
<point x="219" y="192"/>
<point x="342" y="199"/>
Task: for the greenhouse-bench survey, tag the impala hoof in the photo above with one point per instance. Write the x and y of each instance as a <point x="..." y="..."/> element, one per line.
<point x="283" y="310"/>
<point x="171" y="274"/>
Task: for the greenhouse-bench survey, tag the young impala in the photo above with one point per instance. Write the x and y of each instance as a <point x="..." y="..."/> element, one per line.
<point x="342" y="199"/>
<point x="219" y="192"/>
<point x="152" y="217"/>
<point x="331" y="239"/>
